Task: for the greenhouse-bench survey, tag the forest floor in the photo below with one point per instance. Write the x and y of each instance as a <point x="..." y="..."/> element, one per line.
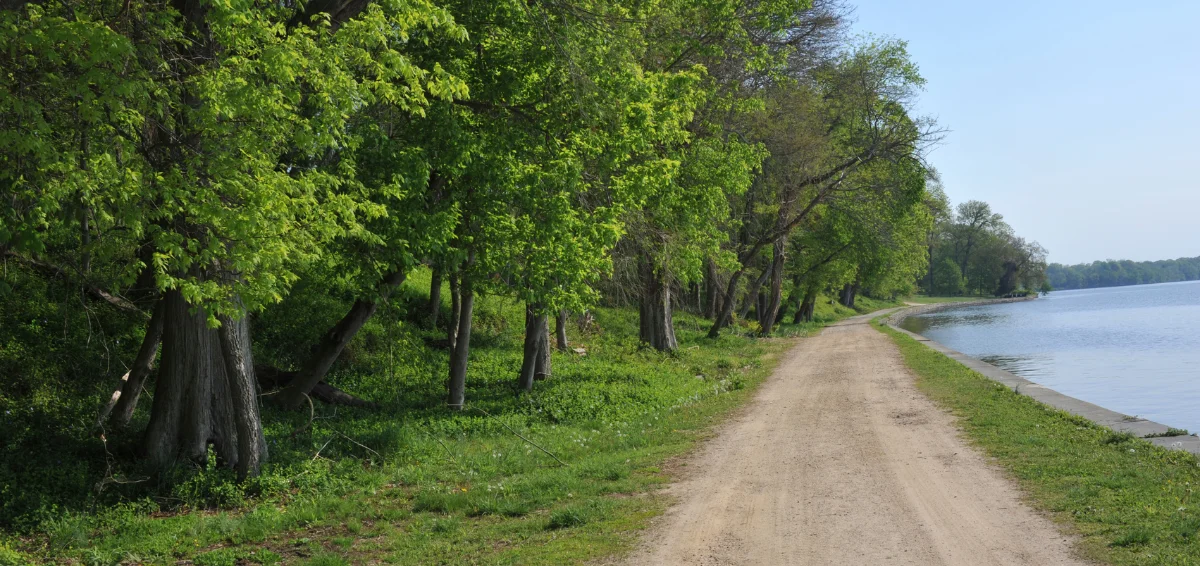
<point x="839" y="459"/>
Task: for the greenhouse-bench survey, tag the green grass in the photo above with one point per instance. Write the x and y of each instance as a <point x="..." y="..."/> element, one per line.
<point x="411" y="482"/>
<point x="1130" y="502"/>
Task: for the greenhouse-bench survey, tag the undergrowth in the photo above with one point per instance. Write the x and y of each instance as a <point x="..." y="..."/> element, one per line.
<point x="504" y="481"/>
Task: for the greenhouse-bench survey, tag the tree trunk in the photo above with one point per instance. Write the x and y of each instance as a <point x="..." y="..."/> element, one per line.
<point x="725" y="308"/>
<point x="656" y="325"/>
<point x="752" y="295"/>
<point x="530" y="351"/>
<point x="435" y="297"/>
<point x="849" y="291"/>
<point x="243" y="395"/>
<point x="711" y="291"/>
<point x="455" y="309"/>
<point x="541" y="369"/>
<point x="193" y="397"/>
<point x="535" y="364"/>
<point x="807" y="306"/>
<point x="775" y="294"/>
<point x="560" y="331"/>
<point x="119" y="410"/>
<point x="457" y="387"/>
<point x="333" y="342"/>
<point x="1008" y="281"/>
<point x="929" y="285"/>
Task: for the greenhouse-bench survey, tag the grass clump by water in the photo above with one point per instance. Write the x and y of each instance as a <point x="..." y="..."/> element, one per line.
<point x="1130" y="501"/>
<point x="1171" y="431"/>
<point x="407" y="482"/>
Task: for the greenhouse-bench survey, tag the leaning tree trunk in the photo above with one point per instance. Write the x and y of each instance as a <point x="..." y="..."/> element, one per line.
<point x="560" y="330"/>
<point x="119" y="410"/>
<point x="457" y="386"/>
<point x="656" y="326"/>
<point x="194" y="397"/>
<point x="333" y="342"/>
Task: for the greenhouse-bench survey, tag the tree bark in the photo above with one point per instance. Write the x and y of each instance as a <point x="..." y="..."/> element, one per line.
<point x="775" y="298"/>
<point x="462" y="344"/>
<point x="243" y="395"/>
<point x="655" y="320"/>
<point x="807" y="306"/>
<point x="541" y="369"/>
<point x="752" y="295"/>
<point x="435" y="297"/>
<point x="455" y="309"/>
<point x="119" y="410"/>
<point x="849" y="291"/>
<point x="726" y="304"/>
<point x="711" y="290"/>
<point x="192" y="397"/>
<point x="560" y="330"/>
<point x="929" y="286"/>
<point x="536" y="352"/>
<point x="333" y="342"/>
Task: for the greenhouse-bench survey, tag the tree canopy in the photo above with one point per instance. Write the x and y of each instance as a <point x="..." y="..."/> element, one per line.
<point x="191" y="164"/>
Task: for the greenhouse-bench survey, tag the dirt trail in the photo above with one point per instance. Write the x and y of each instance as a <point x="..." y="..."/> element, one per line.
<point x="840" y="460"/>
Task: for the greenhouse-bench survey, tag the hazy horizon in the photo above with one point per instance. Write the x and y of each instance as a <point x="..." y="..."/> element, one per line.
<point x="1073" y="120"/>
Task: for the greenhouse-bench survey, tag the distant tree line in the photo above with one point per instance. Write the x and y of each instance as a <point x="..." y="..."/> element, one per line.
<point x="972" y="250"/>
<point x="1115" y="273"/>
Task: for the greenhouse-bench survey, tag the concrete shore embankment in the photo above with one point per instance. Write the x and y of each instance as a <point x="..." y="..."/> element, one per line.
<point x="1120" y="422"/>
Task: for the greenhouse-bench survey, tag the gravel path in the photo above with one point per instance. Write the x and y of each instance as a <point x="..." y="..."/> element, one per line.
<point x="840" y="460"/>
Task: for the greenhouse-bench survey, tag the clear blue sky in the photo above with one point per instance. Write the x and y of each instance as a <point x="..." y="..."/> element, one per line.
<point x="1078" y="121"/>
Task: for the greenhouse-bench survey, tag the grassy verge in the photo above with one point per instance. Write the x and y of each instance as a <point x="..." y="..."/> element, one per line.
<point x="1130" y="501"/>
<point x="564" y="475"/>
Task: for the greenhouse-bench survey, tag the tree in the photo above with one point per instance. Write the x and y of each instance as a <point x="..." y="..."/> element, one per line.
<point x="198" y="155"/>
<point x="863" y="102"/>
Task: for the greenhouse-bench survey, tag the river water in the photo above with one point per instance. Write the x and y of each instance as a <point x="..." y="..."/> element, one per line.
<point x="1133" y="349"/>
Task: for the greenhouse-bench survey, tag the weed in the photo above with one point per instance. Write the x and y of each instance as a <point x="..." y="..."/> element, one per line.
<point x="265" y="557"/>
<point x="565" y="518"/>
<point x="219" y="557"/>
<point x="1119" y="438"/>
<point x="1171" y="431"/>
<point x="1136" y="536"/>
<point x="327" y="559"/>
